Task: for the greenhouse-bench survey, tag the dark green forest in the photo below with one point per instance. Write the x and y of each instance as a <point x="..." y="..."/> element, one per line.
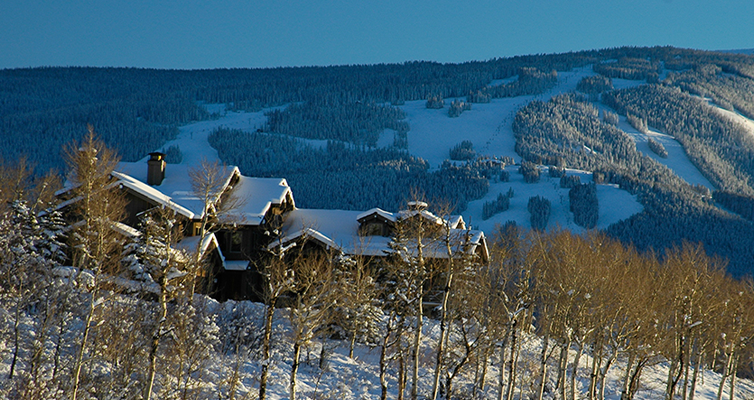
<point x="137" y="110"/>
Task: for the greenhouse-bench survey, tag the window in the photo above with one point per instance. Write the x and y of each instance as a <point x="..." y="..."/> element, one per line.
<point x="234" y="241"/>
<point x="372" y="229"/>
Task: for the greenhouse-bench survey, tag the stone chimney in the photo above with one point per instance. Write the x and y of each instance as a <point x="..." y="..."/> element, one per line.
<point x="155" y="168"/>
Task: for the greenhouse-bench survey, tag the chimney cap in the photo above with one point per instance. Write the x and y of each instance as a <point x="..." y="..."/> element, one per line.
<point x="156" y="156"/>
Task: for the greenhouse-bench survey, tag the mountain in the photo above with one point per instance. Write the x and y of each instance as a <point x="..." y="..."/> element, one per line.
<point x="662" y="131"/>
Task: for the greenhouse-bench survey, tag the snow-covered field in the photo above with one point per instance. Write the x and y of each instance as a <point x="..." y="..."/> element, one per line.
<point x="615" y="204"/>
<point x="677" y="160"/>
<point x="487" y="126"/>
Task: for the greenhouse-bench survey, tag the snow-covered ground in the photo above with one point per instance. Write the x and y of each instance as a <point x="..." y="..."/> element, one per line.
<point x="487" y="126"/>
<point x="357" y="378"/>
<point x="677" y="160"/>
<point x="615" y="204"/>
<point x="736" y="117"/>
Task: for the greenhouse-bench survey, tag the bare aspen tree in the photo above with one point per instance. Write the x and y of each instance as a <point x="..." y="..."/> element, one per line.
<point x="208" y="182"/>
<point x="450" y="243"/>
<point x="414" y="232"/>
<point x="358" y="312"/>
<point x="163" y="268"/>
<point x="97" y="248"/>
<point x="314" y="296"/>
<point x="277" y="281"/>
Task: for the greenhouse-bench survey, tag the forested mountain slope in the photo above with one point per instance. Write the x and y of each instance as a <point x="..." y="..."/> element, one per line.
<point x="369" y="113"/>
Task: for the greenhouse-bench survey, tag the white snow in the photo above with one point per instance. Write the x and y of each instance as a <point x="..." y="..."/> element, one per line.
<point x="677" y="161"/>
<point x="735" y="116"/>
<point x="487" y="126"/>
<point x="614" y="204"/>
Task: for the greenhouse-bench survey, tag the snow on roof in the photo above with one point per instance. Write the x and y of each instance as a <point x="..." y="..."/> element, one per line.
<point x="174" y="192"/>
<point x="308" y="233"/>
<point x="384" y="214"/>
<point x="254" y="195"/>
<point x="125" y="230"/>
<point x="236" y="265"/>
<point x="455" y="222"/>
<point x="340" y="229"/>
<point x="190" y="244"/>
<point x="405" y="214"/>
<point x="336" y="228"/>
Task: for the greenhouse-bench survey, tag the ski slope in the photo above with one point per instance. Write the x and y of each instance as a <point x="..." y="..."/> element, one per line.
<point x="489" y="127"/>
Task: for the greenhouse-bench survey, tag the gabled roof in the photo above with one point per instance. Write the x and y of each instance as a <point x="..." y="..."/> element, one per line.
<point x="378" y="212"/>
<point x="254" y="196"/>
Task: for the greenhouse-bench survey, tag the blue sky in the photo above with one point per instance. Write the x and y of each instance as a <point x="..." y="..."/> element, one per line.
<point x="190" y="34"/>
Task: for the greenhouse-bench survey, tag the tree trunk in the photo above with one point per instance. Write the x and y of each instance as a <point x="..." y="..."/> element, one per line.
<point x="417" y="345"/>
<point x="266" y="339"/>
<point x="603" y="374"/>
<point x="676" y="368"/>
<point x="323" y="354"/>
<point x="16" y="335"/>
<point x="543" y="367"/>
<point x="401" y="376"/>
<point x="562" y="367"/>
<point x="352" y="345"/>
<point x="697" y="367"/>
<point x="633" y="386"/>
<point x="596" y="361"/>
<point x="443" y="326"/>
<point x="574" y="370"/>
<point x="156" y="335"/>
<point x="482" y="382"/>
<point x="512" y="365"/>
<point x="82" y="349"/>
<point x="686" y="369"/>
<point x="726" y="371"/>
<point x="383" y="363"/>
<point x="733" y="372"/>
<point x="627" y="377"/>
<point x="501" y="381"/>
<point x="294" y="368"/>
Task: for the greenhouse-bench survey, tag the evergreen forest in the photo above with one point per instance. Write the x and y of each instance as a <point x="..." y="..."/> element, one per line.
<point x="136" y="111"/>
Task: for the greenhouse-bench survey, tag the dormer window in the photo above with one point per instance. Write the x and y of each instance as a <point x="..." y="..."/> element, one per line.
<point x="375" y="222"/>
<point x="374" y="228"/>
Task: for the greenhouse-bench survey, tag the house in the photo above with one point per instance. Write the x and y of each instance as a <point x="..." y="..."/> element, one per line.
<point x="244" y="212"/>
<point x="369" y="233"/>
<point x="252" y="218"/>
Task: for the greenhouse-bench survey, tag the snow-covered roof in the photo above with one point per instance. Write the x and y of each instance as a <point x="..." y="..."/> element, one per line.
<point x="253" y="196"/>
<point x="236" y="265"/>
<point x="256" y="196"/>
<point x="307" y="233"/>
<point x="453" y="221"/>
<point x="175" y="191"/>
<point x="339" y="229"/>
<point x="382" y="213"/>
<point x="190" y="244"/>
